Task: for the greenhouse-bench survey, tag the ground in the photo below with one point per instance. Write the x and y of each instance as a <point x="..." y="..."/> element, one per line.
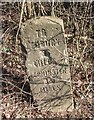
<point x="16" y="100"/>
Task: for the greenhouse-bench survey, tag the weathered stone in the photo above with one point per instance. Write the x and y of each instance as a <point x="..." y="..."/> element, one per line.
<point x="47" y="63"/>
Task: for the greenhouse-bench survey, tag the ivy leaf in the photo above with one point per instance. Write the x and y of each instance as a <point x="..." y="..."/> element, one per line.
<point x="6" y="49"/>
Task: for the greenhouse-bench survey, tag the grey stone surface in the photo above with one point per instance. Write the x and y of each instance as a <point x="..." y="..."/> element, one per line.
<point x="47" y="63"/>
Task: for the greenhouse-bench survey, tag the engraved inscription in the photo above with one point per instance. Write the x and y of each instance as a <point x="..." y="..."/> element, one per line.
<point x="40" y="62"/>
<point x="45" y="58"/>
<point x="45" y="43"/>
<point x="51" y="72"/>
<point x="48" y="72"/>
<point x="41" y="33"/>
<point x="49" y="88"/>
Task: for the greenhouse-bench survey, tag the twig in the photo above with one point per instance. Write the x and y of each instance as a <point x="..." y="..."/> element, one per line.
<point x="52" y="12"/>
<point x="17" y="41"/>
<point x="7" y="81"/>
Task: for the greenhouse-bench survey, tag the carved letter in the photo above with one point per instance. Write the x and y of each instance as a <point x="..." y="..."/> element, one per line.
<point x="44" y="32"/>
<point x="38" y="33"/>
